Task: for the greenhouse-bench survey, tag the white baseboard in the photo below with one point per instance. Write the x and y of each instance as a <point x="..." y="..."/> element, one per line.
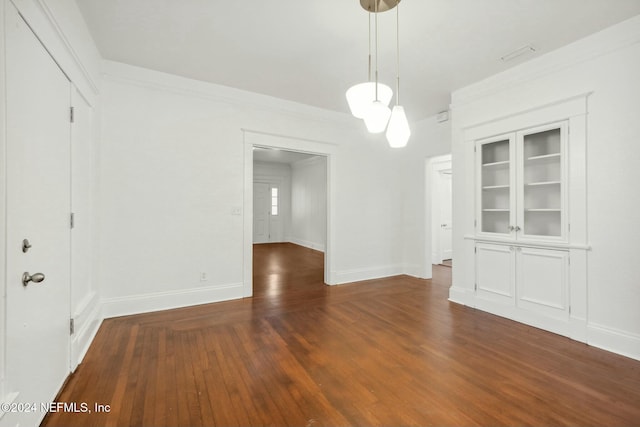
<point x="308" y="244"/>
<point x="145" y="303"/>
<point x="460" y="296"/>
<point x="614" y="340"/>
<point x="419" y="271"/>
<point x="357" y="275"/>
<point x="87" y="320"/>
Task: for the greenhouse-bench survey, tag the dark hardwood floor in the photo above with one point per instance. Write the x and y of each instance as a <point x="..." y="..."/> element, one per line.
<point x="383" y="352"/>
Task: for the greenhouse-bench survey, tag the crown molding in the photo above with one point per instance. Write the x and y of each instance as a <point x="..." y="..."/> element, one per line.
<point x="58" y="31"/>
<point x="118" y="72"/>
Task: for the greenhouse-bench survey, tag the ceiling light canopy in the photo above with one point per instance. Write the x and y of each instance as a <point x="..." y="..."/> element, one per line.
<point x="370" y="100"/>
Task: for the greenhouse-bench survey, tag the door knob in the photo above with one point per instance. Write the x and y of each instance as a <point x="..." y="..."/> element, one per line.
<point x="26" y="245"/>
<point x="36" y="278"/>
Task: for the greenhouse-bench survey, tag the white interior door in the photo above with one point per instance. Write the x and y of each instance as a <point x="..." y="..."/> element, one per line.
<point x="261" y="212"/>
<point x="446" y="217"/>
<point x="38" y="208"/>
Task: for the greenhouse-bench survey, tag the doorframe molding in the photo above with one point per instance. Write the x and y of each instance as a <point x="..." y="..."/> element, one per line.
<point x="3" y="208"/>
<point x="435" y="165"/>
<point x="256" y="138"/>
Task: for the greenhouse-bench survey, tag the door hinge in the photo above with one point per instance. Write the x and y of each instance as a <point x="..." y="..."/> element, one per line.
<point x="71" y="114"/>
<point x="475" y="286"/>
<point x="72" y="326"/>
<point x="475" y="250"/>
<point x="72" y="220"/>
<point x="475" y="223"/>
<point x="569" y="309"/>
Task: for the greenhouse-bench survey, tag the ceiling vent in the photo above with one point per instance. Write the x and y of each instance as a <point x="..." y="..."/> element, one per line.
<point x="524" y="50"/>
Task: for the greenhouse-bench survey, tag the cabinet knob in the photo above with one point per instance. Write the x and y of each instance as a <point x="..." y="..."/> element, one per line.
<point x="518" y="228"/>
<point x="511" y="228"/>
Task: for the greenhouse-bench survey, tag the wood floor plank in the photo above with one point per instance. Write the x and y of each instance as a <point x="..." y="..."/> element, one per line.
<point x="383" y="352"/>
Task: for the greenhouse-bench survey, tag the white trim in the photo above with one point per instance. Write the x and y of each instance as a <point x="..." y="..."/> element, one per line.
<point x="251" y="138"/>
<point x="87" y="320"/>
<point x="308" y="244"/>
<point x="435" y="165"/>
<point x="615" y="340"/>
<point x="8" y="399"/>
<point x="41" y="19"/>
<point x="157" y="301"/>
<point x="360" y="274"/>
<point x="520" y="243"/>
<point x="69" y="48"/>
<point x="461" y="296"/>
<point x="279" y="135"/>
<point x="150" y="79"/>
<point x="3" y="208"/>
<point x="539" y="115"/>
<point x="418" y="271"/>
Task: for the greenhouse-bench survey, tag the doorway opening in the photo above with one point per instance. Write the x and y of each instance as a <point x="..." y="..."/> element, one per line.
<point x="441" y="210"/>
<point x="287" y="201"/>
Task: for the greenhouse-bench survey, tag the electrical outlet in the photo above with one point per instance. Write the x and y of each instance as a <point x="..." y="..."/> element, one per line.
<point x="203" y="277"/>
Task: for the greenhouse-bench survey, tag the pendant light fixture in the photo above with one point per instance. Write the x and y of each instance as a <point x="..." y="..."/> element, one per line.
<point x="370" y="100"/>
<point x="360" y="96"/>
<point x="398" y="131"/>
<point x="377" y="114"/>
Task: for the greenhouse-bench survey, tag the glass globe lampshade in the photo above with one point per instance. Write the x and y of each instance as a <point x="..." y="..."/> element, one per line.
<point x="360" y="97"/>
<point x="377" y="117"/>
<point x="398" y="131"/>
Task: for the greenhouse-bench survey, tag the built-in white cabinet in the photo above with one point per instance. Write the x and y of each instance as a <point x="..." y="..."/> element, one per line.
<point x="521" y="184"/>
<point x="525" y="245"/>
<point x="522" y="277"/>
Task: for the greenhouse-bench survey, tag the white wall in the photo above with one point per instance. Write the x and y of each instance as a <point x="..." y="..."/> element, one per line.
<point x="277" y="174"/>
<point x="607" y="64"/>
<point x="309" y="203"/>
<point x="171" y="173"/>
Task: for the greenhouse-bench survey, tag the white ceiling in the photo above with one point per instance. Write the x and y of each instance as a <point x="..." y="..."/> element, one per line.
<point x="312" y="51"/>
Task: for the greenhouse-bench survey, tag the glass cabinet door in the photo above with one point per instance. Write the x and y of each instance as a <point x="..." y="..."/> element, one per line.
<point x="496" y="185"/>
<point x="541" y="206"/>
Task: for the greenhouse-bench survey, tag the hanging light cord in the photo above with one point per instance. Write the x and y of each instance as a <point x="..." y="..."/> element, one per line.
<point x="369" y="40"/>
<point x="398" y="53"/>
<point x="376" y="12"/>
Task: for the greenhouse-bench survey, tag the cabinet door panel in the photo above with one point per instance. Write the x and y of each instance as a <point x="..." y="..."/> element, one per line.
<point x="541" y="183"/>
<point x="495" y="174"/>
<point x="494" y="272"/>
<point x="542" y="280"/>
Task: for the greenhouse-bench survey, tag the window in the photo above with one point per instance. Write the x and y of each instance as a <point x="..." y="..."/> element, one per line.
<point x="274" y="201"/>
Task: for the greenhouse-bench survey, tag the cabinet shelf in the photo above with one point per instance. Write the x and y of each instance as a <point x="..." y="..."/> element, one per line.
<point x="496" y="187"/>
<point x="543" y="210"/>
<point x="504" y="162"/>
<point x="544" y="156"/>
<point x="535" y="184"/>
<point x="495" y="210"/>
